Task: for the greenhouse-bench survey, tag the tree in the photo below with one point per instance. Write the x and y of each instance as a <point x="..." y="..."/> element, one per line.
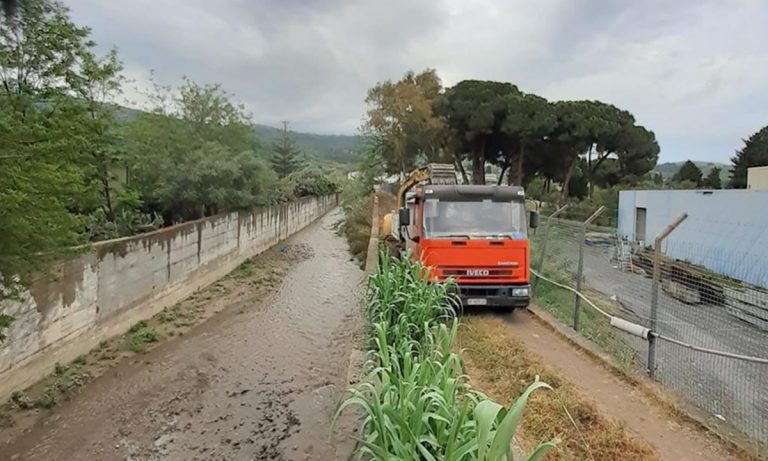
<point x="493" y="122"/>
<point x="41" y="125"/>
<point x="754" y="153"/>
<point x="712" y="181"/>
<point x="528" y="119"/>
<point x="312" y="180"/>
<point x="401" y="119"/>
<point x="572" y="137"/>
<point x="688" y="172"/>
<point x="101" y="82"/>
<point x="195" y="155"/>
<point x="285" y="155"/>
<point x="474" y="112"/>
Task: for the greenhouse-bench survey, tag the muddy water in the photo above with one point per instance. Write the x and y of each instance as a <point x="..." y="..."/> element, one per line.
<point x="258" y="381"/>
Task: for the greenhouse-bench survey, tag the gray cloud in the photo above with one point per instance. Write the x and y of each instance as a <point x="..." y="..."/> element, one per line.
<point x="694" y="71"/>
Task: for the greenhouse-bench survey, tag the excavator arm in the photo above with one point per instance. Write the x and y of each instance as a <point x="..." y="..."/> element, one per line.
<point x="435" y="173"/>
<point x="418" y="175"/>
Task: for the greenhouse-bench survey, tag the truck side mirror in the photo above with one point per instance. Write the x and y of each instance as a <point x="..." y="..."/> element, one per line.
<point x="533" y="220"/>
<point x="404" y="217"/>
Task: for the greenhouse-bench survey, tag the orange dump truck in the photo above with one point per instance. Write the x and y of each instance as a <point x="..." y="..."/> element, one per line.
<point x="477" y="235"/>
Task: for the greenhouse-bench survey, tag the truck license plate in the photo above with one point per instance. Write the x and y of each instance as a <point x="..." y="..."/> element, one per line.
<point x="477" y="302"/>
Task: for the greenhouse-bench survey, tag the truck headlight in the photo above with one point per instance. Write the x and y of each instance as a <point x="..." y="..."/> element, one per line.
<point x="520" y="292"/>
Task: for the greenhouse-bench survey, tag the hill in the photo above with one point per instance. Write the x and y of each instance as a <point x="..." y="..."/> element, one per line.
<point x="325" y="147"/>
<point x="669" y="169"/>
<point x="329" y="147"/>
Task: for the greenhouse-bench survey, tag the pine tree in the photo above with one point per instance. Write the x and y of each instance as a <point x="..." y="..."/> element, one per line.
<point x="688" y="172"/>
<point x="712" y="181"/>
<point x="285" y="154"/>
<point x="754" y="153"/>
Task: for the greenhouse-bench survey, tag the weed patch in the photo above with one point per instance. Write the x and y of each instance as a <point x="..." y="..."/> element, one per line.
<point x="20" y="399"/>
<point x="61" y="384"/>
<point x="140" y="336"/>
<point x="5" y="322"/>
<point x="244" y="270"/>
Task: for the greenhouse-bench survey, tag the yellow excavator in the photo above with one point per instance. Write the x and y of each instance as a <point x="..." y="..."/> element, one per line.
<point x="434" y="173"/>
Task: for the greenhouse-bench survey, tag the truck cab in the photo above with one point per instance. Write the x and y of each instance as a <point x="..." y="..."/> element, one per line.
<point x="477" y="235"/>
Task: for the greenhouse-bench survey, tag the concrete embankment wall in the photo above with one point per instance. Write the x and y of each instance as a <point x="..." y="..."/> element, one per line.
<point x="119" y="282"/>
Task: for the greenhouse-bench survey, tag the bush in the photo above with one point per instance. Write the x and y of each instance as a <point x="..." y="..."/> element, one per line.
<point x="357" y="202"/>
<point x="312" y="181"/>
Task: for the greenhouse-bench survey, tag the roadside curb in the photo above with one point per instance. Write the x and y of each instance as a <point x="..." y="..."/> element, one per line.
<point x="680" y="408"/>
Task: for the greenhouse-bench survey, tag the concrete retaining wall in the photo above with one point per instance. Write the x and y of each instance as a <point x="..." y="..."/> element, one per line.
<point x="119" y="282"/>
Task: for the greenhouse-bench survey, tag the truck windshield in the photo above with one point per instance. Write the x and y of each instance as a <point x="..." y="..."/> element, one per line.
<point x="486" y="219"/>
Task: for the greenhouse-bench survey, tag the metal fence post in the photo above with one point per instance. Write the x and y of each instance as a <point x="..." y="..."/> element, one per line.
<point x="655" y="290"/>
<point x="543" y="251"/>
<point x="580" y="271"/>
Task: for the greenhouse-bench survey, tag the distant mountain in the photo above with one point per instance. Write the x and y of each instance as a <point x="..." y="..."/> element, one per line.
<point x="669" y="169"/>
<point x="338" y="148"/>
<point x="325" y="147"/>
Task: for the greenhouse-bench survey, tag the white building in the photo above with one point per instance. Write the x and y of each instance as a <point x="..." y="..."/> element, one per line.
<point x="726" y="230"/>
<point x="757" y="177"/>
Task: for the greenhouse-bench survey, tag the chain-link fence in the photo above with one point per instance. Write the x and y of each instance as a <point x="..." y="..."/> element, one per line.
<point x="708" y="337"/>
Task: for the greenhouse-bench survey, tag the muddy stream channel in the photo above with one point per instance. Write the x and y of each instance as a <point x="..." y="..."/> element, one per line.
<point x="258" y="380"/>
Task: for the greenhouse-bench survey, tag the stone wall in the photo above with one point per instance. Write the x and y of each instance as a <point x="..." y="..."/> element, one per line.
<point x="119" y="282"/>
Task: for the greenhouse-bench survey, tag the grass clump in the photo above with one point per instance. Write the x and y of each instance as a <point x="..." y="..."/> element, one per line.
<point x="139" y="336"/>
<point x="5" y="322"/>
<point x="416" y="401"/>
<point x="20" y="399"/>
<point x="244" y="270"/>
<point x="61" y="384"/>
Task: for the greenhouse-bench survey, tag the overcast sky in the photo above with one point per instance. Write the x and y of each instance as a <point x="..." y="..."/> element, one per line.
<point x="693" y="71"/>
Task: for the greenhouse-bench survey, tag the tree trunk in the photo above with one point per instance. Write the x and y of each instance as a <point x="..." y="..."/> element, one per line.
<point x="108" y="198"/>
<point x="462" y="170"/>
<point x="520" y="175"/>
<point x="592" y="170"/>
<point x="590" y="181"/>
<point x="566" y="181"/>
<point x="478" y="164"/>
<point x="503" y="171"/>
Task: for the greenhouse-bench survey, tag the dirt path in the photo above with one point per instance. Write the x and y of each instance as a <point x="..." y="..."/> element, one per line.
<point x="257" y="381"/>
<point x="613" y="397"/>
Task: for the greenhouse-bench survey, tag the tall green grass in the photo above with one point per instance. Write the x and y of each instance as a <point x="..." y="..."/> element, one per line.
<point x="415" y="400"/>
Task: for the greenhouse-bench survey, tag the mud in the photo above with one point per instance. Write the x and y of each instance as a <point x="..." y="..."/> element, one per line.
<point x="258" y="380"/>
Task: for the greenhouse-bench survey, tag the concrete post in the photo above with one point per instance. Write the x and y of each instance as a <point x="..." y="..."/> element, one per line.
<point x="655" y="290"/>
<point x="580" y="271"/>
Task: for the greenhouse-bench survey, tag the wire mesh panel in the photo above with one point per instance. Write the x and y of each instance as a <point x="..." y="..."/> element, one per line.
<point x="695" y="306"/>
